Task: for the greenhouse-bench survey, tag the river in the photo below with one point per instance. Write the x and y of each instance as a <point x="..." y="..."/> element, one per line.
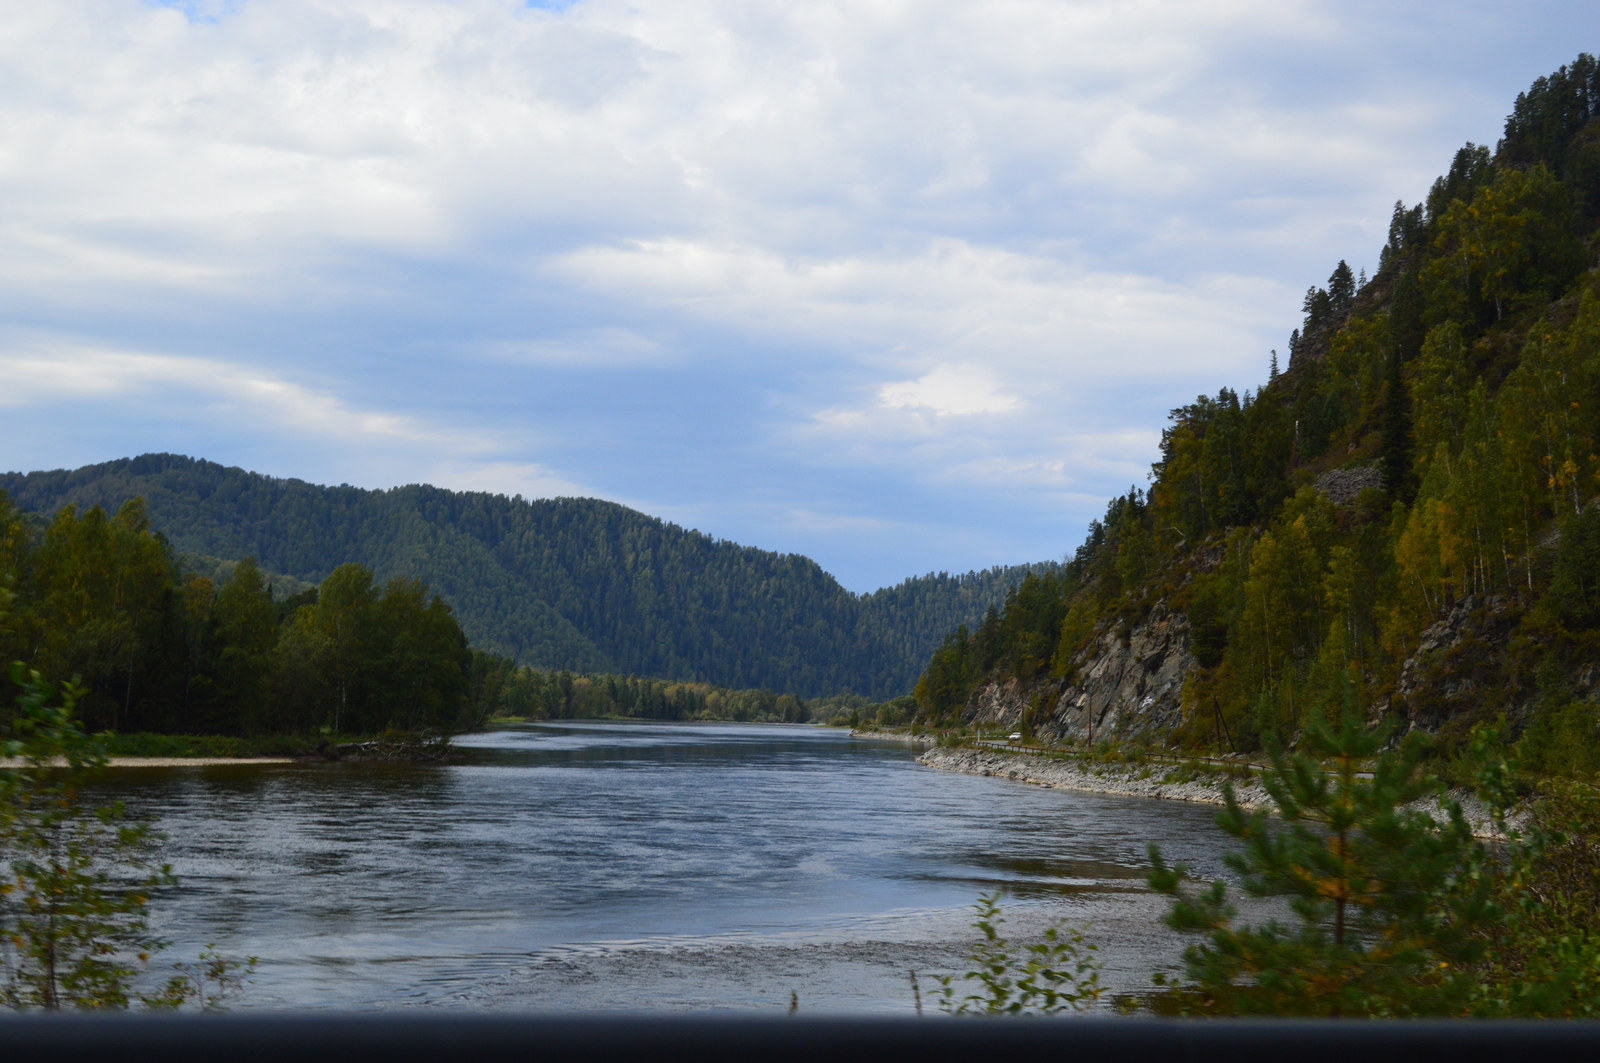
<point x="643" y="866"/>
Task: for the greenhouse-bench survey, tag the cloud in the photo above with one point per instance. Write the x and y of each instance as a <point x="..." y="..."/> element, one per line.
<point x="852" y="260"/>
<point x="56" y="373"/>
<point x="961" y="389"/>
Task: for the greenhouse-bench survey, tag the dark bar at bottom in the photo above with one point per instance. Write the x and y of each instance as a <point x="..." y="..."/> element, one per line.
<point x="414" y="1038"/>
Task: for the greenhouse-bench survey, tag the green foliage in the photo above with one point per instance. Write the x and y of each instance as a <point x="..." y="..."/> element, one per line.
<point x="1542" y="956"/>
<point x="562" y="584"/>
<point x="1510" y="245"/>
<point x="1574" y="593"/>
<point x="169" y="651"/>
<point x="1385" y="898"/>
<point x="499" y="687"/>
<point x="1058" y="973"/>
<point x="951" y="674"/>
<point x="895" y="712"/>
<point x="1399" y="914"/>
<point x="1548" y="126"/>
<point x="146" y="744"/>
<point x="1562" y="741"/>
<point x="74" y="902"/>
<point x="1395" y="459"/>
<point x="206" y="985"/>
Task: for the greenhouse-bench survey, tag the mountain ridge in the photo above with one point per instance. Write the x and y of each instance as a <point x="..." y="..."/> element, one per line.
<point x="581" y="584"/>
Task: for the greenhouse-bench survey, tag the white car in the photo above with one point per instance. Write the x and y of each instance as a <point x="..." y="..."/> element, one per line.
<point x="1016" y="736"/>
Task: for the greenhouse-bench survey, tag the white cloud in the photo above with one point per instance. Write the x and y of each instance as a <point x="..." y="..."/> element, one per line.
<point x="959" y="389"/>
<point x="217" y="390"/>
<point x="712" y="245"/>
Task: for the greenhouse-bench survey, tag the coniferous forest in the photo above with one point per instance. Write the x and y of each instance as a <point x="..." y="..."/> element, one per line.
<point x="1403" y="517"/>
<point x="563" y="584"/>
<point x="160" y="648"/>
<point x="125" y="576"/>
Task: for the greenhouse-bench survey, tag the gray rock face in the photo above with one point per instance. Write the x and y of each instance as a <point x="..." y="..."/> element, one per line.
<point x="1121" y="688"/>
<point x="1456" y="663"/>
<point x="1460" y="665"/>
<point x="1343" y="485"/>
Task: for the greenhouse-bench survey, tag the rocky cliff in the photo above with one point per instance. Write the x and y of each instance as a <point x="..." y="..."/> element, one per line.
<point x="1127" y="683"/>
<point x="1470" y="664"/>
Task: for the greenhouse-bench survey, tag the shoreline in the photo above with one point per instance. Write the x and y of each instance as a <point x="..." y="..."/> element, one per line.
<point x="903" y="737"/>
<point x="168" y="762"/>
<point x="1147" y="781"/>
<point x="1115" y="779"/>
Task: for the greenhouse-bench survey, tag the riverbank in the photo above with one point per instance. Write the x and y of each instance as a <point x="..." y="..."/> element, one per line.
<point x="1163" y="781"/>
<point x="167" y="762"/>
<point x="921" y="741"/>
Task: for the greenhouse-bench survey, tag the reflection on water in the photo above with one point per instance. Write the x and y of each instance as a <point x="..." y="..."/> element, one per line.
<point x="641" y="866"/>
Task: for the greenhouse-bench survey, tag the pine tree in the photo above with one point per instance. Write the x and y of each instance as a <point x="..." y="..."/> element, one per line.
<point x="1385" y="898"/>
<point x="1341" y="290"/>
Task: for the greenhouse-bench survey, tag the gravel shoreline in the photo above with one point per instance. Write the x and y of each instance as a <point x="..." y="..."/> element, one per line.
<point x="1127" y="781"/>
<point x="1145" y="781"/>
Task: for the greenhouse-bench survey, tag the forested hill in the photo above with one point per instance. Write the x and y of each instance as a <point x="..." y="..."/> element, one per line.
<point x="571" y="583"/>
<point x="1403" y="521"/>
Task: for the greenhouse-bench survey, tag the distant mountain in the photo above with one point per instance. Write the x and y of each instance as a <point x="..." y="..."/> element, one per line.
<point x="574" y="583"/>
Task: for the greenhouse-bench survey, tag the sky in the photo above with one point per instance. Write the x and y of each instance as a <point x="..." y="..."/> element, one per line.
<point x="901" y="286"/>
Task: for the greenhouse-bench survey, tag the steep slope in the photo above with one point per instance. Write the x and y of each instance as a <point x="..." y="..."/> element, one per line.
<point x="581" y="584"/>
<point x="1405" y="522"/>
<point x="915" y="614"/>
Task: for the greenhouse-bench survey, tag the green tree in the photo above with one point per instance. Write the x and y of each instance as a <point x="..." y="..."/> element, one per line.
<point x="421" y="658"/>
<point x="1542" y="958"/>
<point x="1395" y="459"/>
<point x="74" y="902"/>
<point x="951" y="674"/>
<point x="1442" y="380"/>
<point x="343" y="618"/>
<point x="98" y="598"/>
<point x="1385" y="898"/>
<point x="246" y="635"/>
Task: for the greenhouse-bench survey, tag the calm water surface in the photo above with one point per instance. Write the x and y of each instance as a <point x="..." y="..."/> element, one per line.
<point x="610" y="865"/>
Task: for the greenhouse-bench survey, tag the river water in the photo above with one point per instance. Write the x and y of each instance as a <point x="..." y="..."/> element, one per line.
<point x="581" y="865"/>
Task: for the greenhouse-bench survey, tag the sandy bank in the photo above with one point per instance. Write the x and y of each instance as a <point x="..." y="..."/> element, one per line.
<point x="171" y="762"/>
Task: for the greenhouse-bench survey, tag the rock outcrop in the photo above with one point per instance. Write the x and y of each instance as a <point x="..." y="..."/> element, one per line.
<point x="1457" y="663"/>
<point x="1461" y="665"/>
<point x="1343" y="486"/>
<point x="1127" y="683"/>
